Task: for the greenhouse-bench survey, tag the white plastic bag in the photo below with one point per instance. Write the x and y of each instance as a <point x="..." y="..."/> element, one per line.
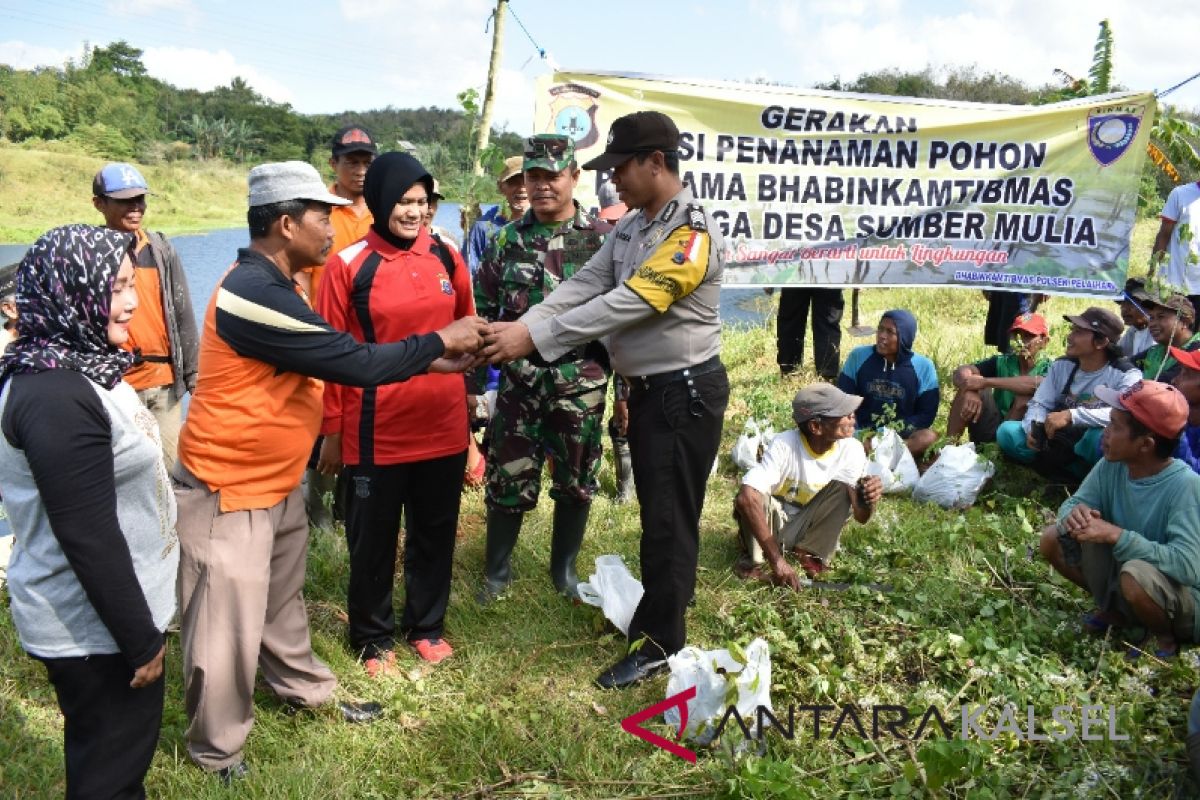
<point x="744" y="684"/>
<point x="755" y="438"/>
<point x="613" y="590"/>
<point x="892" y="463"/>
<point x="955" y="478"/>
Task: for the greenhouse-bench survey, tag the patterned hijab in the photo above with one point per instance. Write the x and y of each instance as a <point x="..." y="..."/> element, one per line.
<point x="64" y="295"/>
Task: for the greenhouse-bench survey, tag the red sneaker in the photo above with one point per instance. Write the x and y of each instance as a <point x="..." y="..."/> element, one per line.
<point x="382" y="664"/>
<point x="433" y="650"/>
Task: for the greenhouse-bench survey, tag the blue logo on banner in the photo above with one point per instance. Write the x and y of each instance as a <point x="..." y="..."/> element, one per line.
<point x="1109" y="135"/>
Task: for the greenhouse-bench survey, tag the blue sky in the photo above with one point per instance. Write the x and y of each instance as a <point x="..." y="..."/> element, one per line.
<point x="331" y="55"/>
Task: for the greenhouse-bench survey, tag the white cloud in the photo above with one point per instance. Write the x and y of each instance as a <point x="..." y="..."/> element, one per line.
<point x="446" y="49"/>
<point x="193" y="68"/>
<point x="22" y="55"/>
<point x="145" y="7"/>
<point x="1026" y="39"/>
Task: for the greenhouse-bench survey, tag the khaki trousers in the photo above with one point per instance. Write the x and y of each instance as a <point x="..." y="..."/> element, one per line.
<point x="163" y="403"/>
<point x="240" y="579"/>
<point x="1102" y="573"/>
<point x="815" y="528"/>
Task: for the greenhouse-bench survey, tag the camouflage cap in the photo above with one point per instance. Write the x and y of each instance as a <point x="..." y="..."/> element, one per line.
<point x="550" y="151"/>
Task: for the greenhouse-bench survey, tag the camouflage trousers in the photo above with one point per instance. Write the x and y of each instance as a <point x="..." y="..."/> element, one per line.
<point x="544" y="414"/>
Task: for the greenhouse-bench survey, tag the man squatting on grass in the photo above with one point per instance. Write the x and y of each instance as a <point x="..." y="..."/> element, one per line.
<point x="1130" y="535"/>
<point x="1188" y="383"/>
<point x="897" y="385"/>
<point x="1172" y="325"/>
<point x="799" y="497"/>
<point x="998" y="388"/>
<point x="1062" y="425"/>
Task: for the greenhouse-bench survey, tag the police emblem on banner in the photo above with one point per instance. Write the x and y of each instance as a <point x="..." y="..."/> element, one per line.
<point x="573" y="113"/>
<point x="1109" y="134"/>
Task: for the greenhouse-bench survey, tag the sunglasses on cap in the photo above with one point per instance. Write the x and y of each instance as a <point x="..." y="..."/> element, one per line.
<point x="554" y="148"/>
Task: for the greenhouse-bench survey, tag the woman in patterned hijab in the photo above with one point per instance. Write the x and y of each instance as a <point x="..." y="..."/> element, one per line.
<point x="64" y="293"/>
<point x="92" y="579"/>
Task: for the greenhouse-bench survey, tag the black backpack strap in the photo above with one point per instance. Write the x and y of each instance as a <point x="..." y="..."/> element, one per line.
<point x="1060" y="403"/>
<point x="443" y="254"/>
<point x="360" y="299"/>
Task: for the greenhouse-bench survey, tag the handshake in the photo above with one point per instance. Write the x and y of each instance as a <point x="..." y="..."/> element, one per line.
<point x="471" y="342"/>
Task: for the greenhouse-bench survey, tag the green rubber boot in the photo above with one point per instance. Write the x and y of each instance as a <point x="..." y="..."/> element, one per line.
<point x="570" y="522"/>
<point x="502" y="532"/>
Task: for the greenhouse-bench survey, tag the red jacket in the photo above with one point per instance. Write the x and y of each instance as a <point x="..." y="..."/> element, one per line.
<point x="424" y="417"/>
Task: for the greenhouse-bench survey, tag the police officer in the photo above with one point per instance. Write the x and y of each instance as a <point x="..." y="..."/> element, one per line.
<point x="654" y="291"/>
<point x="544" y="407"/>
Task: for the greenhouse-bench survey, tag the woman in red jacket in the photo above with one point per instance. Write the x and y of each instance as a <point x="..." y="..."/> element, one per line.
<point x="404" y="445"/>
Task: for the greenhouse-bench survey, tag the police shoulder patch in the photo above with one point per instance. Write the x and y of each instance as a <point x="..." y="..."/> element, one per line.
<point x="673" y="270"/>
<point x="696" y="219"/>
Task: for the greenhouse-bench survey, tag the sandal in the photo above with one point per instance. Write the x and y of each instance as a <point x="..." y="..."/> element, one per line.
<point x="1137" y="649"/>
<point x="1096" y="623"/>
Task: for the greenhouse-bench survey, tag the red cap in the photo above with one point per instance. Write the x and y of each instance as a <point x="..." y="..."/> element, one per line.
<point x="1189" y="360"/>
<point x="1158" y="406"/>
<point x="614" y="213"/>
<point x="1030" y="323"/>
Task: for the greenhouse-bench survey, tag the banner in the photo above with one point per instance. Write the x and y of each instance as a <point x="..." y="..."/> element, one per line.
<point x="843" y="189"/>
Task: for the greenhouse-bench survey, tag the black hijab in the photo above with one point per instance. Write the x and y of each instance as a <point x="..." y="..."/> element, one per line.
<point x="388" y="178"/>
<point x="64" y="296"/>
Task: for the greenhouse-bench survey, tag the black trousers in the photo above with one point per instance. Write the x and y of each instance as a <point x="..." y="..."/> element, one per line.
<point x="827" y="306"/>
<point x="427" y="494"/>
<point x="110" y="731"/>
<point x="673" y="439"/>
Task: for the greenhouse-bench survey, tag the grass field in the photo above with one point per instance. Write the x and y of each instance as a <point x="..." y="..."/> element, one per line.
<point x="974" y="618"/>
<point x="187" y="197"/>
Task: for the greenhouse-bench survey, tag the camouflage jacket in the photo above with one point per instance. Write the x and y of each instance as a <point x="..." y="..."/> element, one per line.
<point x="526" y="260"/>
<point x="523" y="264"/>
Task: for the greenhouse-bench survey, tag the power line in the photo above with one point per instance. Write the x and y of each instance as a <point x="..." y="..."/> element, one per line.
<point x="541" y="51"/>
<point x="1166" y="92"/>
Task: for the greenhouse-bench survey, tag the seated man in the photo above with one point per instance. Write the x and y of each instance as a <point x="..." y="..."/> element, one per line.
<point x="1172" y="324"/>
<point x="1188" y="384"/>
<point x="810" y="480"/>
<point x="1131" y="534"/>
<point x="1133" y="313"/>
<point x="898" y="387"/>
<point x="1187" y="381"/>
<point x="1060" y="433"/>
<point x="998" y="388"/>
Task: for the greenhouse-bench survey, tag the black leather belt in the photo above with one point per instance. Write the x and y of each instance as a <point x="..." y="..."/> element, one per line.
<point x="648" y="382"/>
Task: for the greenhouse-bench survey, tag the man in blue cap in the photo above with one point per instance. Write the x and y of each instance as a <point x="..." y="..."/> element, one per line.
<point x="162" y="335"/>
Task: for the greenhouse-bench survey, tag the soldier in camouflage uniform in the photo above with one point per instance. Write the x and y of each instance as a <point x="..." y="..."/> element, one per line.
<point x="544" y="410"/>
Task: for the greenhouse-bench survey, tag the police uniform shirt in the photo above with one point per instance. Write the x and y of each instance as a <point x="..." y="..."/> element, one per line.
<point x="653" y="289"/>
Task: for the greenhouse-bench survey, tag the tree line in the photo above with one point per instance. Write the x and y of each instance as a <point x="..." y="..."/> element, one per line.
<point x="107" y="105"/>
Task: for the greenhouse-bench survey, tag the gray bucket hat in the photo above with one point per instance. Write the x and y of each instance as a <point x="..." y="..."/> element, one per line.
<point x="822" y="400"/>
<point x="289" y="180"/>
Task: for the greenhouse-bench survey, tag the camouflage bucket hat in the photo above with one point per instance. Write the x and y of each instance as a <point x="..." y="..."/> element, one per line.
<point x="551" y="151"/>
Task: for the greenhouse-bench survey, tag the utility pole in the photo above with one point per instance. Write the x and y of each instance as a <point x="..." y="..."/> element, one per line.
<point x="489" y="94"/>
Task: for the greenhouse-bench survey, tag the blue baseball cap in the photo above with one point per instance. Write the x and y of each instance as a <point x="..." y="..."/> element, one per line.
<point x="120" y="181"/>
